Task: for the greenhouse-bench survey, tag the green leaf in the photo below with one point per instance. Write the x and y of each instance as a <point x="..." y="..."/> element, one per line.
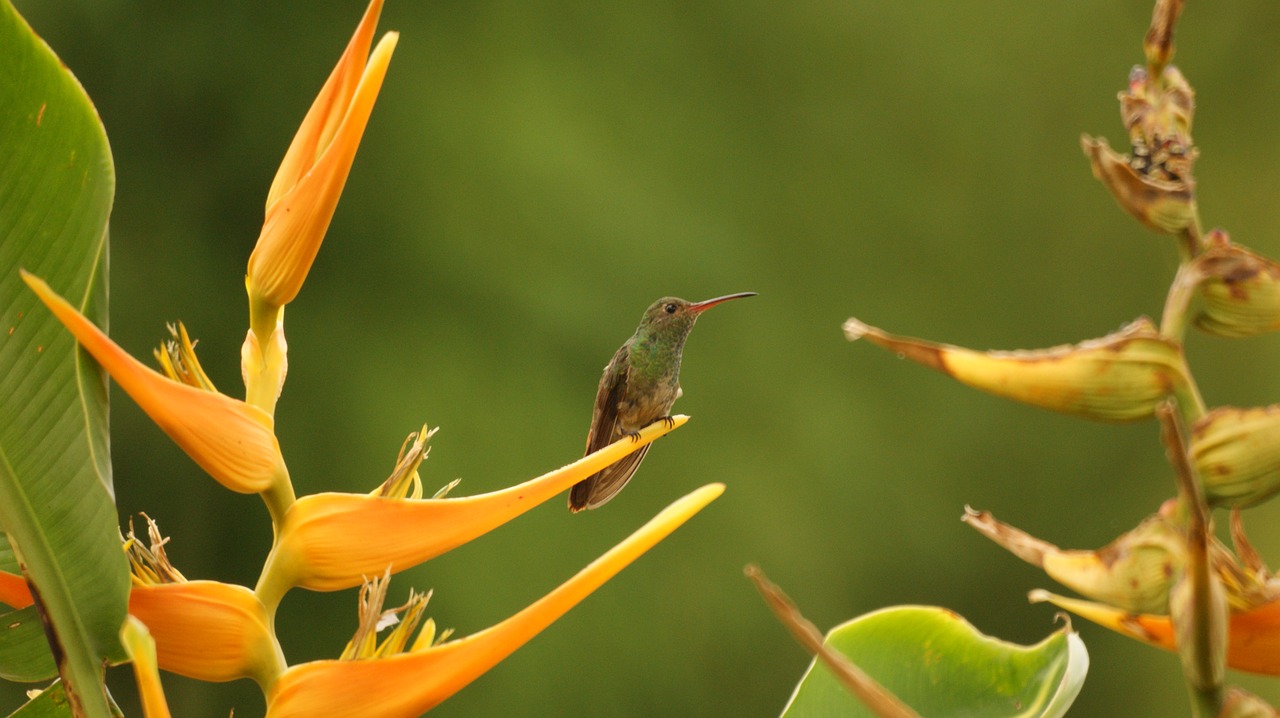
<point x="56" y="502"/>
<point x="24" y="653"/>
<point x="942" y="667"/>
<point x="51" y="703"/>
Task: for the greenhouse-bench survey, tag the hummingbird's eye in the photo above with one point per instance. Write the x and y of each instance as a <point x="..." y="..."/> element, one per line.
<point x="671" y="308"/>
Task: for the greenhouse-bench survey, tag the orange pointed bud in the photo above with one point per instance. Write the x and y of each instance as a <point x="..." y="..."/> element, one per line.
<point x="407" y="684"/>
<point x="232" y="441"/>
<point x="309" y="182"/>
<point x="142" y="652"/>
<point x="1123" y="376"/>
<point x="332" y="541"/>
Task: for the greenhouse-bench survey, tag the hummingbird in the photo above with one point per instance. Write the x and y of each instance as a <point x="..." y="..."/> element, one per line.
<point x="639" y="385"/>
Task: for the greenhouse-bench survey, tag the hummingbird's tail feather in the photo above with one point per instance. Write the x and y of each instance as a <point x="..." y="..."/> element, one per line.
<point x="596" y="490"/>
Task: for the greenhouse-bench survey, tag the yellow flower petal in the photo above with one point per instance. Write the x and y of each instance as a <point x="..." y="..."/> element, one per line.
<point x="142" y="650"/>
<point x="309" y="182"/>
<point x="232" y="441"/>
<point x="208" y="630"/>
<point x="332" y="541"/>
<point x="408" y="684"/>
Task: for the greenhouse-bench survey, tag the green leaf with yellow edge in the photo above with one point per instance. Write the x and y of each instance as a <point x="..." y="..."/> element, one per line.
<point x="940" y="665"/>
<point x="56" y="503"/>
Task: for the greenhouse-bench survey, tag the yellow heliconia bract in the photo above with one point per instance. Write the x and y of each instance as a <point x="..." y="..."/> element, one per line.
<point x="231" y="440"/>
<point x="407" y="684"/>
<point x="332" y="541"/>
<point x="307" y="186"/>
<point x="1123" y="376"/>
<point x="208" y="630"/>
<point x="1236" y="453"/>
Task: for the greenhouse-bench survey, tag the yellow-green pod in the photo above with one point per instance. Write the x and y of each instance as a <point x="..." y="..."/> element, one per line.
<point x="1165" y="205"/>
<point x="1135" y="572"/>
<point x="1237" y="454"/>
<point x="1240" y="290"/>
<point x="1121" y="377"/>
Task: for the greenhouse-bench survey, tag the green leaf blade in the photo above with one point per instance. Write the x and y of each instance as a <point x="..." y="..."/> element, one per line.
<point x="56" y="502"/>
<point x="942" y="667"/>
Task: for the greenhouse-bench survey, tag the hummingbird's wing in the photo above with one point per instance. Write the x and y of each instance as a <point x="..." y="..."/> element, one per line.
<point x="601" y="486"/>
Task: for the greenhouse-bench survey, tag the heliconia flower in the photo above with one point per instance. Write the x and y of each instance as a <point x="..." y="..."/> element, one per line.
<point x="178" y="359"/>
<point x="1253" y="634"/>
<point x="407" y="684"/>
<point x="309" y="182"/>
<point x="403" y="623"/>
<point x="331" y="541"/>
<point x="142" y="652"/>
<point x="231" y="440"/>
<point x="205" y="630"/>
<point x="1123" y="376"/>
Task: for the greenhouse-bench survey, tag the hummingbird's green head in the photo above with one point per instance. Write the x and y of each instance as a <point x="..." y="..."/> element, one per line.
<point x="675" y="316"/>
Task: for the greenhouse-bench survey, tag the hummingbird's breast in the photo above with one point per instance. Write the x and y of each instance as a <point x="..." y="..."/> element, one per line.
<point x="653" y="384"/>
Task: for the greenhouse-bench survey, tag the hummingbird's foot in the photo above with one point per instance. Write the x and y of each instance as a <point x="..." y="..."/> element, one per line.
<point x="635" y="436"/>
<point x="668" y="420"/>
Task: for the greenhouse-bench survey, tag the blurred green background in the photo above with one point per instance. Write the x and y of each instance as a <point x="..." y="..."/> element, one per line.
<point x="535" y="173"/>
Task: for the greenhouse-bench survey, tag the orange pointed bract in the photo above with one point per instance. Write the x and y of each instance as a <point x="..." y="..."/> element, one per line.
<point x="307" y="186"/>
<point x="208" y="630"/>
<point x="331" y="541"/>
<point x="231" y="440"/>
<point x="407" y="684"/>
<point x="14" y="591"/>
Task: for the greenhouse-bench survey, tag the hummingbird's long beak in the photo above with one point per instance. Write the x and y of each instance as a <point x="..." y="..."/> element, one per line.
<point x="699" y="307"/>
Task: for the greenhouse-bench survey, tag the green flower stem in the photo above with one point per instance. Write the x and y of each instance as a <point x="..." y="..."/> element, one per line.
<point x="1177" y="304"/>
<point x="279" y="497"/>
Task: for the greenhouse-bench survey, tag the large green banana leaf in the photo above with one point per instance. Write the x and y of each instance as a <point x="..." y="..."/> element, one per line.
<point x="56" y="503"/>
